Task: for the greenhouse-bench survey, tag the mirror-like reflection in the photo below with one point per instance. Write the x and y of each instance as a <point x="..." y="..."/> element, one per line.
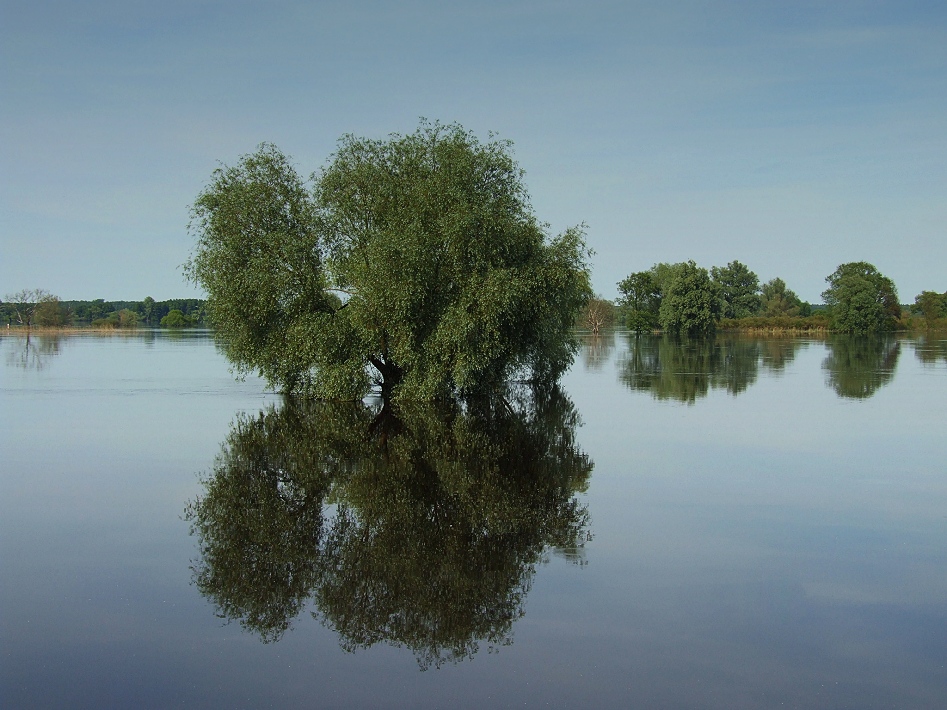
<point x="596" y="349"/>
<point x="776" y="352"/>
<point x="686" y="370"/>
<point x="34" y="352"/>
<point x="857" y="367"/>
<point x="419" y="527"/>
<point x="931" y="349"/>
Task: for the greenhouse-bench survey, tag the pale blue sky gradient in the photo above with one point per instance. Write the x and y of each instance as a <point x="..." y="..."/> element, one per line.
<point x="792" y="136"/>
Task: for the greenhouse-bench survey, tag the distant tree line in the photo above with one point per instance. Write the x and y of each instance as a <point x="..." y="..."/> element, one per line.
<point x="39" y="308"/>
<point x="686" y="299"/>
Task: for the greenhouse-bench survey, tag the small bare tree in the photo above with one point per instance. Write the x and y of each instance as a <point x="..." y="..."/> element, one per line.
<point x="598" y="314"/>
<point x="26" y="301"/>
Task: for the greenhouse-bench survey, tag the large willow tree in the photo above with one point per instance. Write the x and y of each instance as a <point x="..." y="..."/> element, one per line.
<point x="415" y="262"/>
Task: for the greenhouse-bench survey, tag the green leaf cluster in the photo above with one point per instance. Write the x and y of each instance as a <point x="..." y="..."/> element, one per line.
<point x="418" y="256"/>
<point x="932" y="306"/>
<point x="735" y="286"/>
<point x="692" y="303"/>
<point x="640" y="300"/>
<point x="861" y="299"/>
<point x="778" y="300"/>
<point x="739" y="289"/>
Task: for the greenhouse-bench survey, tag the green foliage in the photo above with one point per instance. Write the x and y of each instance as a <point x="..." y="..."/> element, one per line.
<point x="124" y="318"/>
<point x="7" y="313"/>
<point x="417" y="525"/>
<point x="691" y="303"/>
<point x="932" y="306"/>
<point x="777" y="300"/>
<point x="52" y="313"/>
<point x="861" y="299"/>
<point x="175" y="319"/>
<point x="259" y="259"/>
<point x="448" y="283"/>
<point x="664" y="273"/>
<point x="127" y="318"/>
<point x="24" y="305"/>
<point x="817" y="322"/>
<point x="640" y="300"/>
<point x="94" y="311"/>
<point x="739" y="289"/>
<point x="149" y="312"/>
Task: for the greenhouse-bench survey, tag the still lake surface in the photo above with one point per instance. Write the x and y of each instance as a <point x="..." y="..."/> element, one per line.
<point x="744" y="524"/>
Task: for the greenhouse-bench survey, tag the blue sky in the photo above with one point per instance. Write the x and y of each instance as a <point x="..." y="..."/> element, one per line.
<point x="791" y="136"/>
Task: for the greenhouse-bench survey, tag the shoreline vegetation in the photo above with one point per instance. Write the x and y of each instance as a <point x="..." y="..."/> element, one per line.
<point x="799" y="325"/>
<point x="83" y="317"/>
<point x="685" y="299"/>
<point x="15" y="329"/>
<point x="38" y="309"/>
<point x="738" y="304"/>
<point x="818" y="324"/>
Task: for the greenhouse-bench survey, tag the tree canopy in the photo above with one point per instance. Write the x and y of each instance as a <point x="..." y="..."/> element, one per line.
<point x="861" y="299"/>
<point x="739" y="289"/>
<point x="417" y="257"/>
<point x="931" y="305"/>
<point x="690" y="311"/>
<point x="640" y="300"/>
<point x="691" y="304"/>
<point x="31" y="304"/>
<point x="777" y="300"/>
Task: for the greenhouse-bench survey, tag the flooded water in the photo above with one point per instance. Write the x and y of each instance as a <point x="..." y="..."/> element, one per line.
<point x="740" y="523"/>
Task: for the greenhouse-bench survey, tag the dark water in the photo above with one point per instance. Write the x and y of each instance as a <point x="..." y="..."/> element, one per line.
<point x="743" y="523"/>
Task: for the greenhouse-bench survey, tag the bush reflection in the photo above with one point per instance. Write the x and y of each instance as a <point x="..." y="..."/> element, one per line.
<point x="34" y="352"/>
<point x="930" y="349"/>
<point x="686" y="370"/>
<point x="420" y="527"/>
<point x="857" y="367"/>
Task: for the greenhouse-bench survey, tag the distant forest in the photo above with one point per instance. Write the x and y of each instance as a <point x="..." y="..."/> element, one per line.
<point x="51" y="311"/>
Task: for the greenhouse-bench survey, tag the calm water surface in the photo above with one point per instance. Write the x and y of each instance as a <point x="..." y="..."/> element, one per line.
<point x="739" y="524"/>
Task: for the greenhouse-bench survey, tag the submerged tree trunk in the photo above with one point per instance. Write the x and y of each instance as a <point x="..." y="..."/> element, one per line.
<point x="391" y="375"/>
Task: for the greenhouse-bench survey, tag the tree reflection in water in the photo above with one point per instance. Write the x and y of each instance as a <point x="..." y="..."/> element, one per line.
<point x="929" y="349"/>
<point x="420" y="527"/>
<point x="686" y="370"/>
<point x="858" y="366"/>
<point x="596" y="349"/>
<point x="34" y="352"/>
<point x="777" y="352"/>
